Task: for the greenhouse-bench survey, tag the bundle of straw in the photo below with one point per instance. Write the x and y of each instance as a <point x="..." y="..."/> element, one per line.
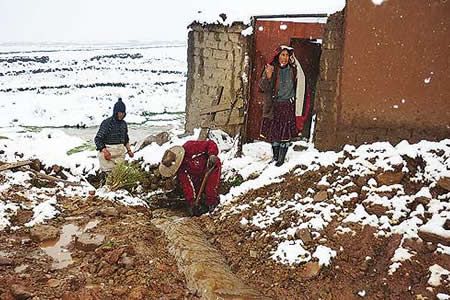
<point x="124" y="176"/>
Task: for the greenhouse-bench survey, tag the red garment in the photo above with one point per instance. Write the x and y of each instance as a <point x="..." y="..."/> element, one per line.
<point x="192" y="169"/>
<point x="301" y="120"/>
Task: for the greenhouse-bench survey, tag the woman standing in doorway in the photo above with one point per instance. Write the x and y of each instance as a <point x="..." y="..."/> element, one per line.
<point x="285" y="107"/>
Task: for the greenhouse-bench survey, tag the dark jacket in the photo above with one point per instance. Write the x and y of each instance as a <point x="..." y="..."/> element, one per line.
<point x="270" y="88"/>
<point x="111" y="132"/>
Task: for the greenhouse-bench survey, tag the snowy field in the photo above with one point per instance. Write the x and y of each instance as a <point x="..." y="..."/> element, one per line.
<point x="76" y="85"/>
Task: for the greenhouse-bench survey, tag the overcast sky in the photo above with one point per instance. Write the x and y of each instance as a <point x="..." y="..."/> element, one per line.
<point x="118" y="20"/>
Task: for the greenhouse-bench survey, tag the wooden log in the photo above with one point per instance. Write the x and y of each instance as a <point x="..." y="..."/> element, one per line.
<point x="50" y="178"/>
<point x="8" y="166"/>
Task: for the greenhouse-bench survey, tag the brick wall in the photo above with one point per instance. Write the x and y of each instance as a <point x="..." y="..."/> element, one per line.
<point x="216" y="57"/>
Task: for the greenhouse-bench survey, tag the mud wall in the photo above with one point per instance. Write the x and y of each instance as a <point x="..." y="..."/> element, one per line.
<point x="328" y="84"/>
<point x="216" y="57"/>
<point x="391" y="76"/>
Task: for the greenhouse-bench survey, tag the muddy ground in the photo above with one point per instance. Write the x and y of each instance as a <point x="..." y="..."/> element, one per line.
<point x="99" y="249"/>
<point x="130" y="262"/>
<point x="359" y="271"/>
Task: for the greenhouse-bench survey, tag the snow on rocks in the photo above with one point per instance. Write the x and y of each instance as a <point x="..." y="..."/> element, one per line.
<point x="7" y="209"/>
<point x="401" y="254"/>
<point x="393" y="189"/>
<point x="438" y="276"/>
<point x="435" y="229"/>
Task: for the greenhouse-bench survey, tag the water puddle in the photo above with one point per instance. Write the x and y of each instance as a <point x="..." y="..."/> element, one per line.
<point x="56" y="249"/>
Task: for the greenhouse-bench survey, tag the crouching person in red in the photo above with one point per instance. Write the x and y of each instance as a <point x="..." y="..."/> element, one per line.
<point x="194" y="163"/>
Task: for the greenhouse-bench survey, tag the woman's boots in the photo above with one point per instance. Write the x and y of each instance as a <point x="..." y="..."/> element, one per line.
<point x="279" y="151"/>
<point x="275" y="152"/>
<point x="282" y="154"/>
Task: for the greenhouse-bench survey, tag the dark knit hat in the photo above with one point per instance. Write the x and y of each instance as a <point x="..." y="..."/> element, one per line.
<point x="119" y="107"/>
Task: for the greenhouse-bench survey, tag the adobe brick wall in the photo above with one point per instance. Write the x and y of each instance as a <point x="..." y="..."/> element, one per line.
<point x="216" y="57"/>
<point x="328" y="84"/>
<point x="390" y="78"/>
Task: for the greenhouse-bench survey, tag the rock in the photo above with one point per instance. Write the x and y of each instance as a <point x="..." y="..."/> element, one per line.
<point x="109" y="211"/>
<point x="422" y="200"/>
<point x="434" y="238"/>
<point x="299" y="148"/>
<point x="26" y="241"/>
<point x="89" y="241"/>
<point x="36" y="165"/>
<point x="4" y="261"/>
<point x="7" y="295"/>
<point x="40" y="233"/>
<point x="106" y="271"/>
<point x="127" y="261"/>
<point x="310" y="270"/>
<point x="431" y="247"/>
<point x="389" y="178"/>
<point x="304" y="235"/>
<point x="160" y="138"/>
<point x="361" y="181"/>
<point x="112" y="257"/>
<point x="122" y="210"/>
<point x="20" y="292"/>
<point x="447" y="224"/>
<point x="376" y="209"/>
<point x="53" y="283"/>
<point x="56" y="169"/>
<point x="321" y="196"/>
<point x="253" y="254"/>
<point x="418" y="200"/>
<point x="444" y="182"/>
<point x="322" y="187"/>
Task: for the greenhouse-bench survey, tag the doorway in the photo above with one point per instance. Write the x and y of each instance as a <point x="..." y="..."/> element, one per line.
<point x="308" y="54"/>
<point x="272" y="32"/>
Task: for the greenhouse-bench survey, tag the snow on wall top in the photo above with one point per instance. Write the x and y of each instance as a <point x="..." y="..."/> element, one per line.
<point x="226" y="14"/>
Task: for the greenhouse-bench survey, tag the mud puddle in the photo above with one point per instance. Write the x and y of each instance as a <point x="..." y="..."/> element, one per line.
<point x="57" y="248"/>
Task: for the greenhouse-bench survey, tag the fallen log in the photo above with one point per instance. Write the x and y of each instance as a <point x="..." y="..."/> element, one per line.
<point x="50" y="177"/>
<point x="17" y="164"/>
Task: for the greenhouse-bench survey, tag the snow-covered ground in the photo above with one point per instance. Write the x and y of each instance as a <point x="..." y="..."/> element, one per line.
<point x="62" y="86"/>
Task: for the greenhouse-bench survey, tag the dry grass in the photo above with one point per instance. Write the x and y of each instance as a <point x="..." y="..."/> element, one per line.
<point x="124" y="176"/>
